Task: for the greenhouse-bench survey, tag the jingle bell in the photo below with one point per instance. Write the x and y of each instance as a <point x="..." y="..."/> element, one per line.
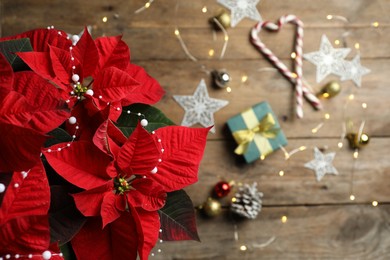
<point x="330" y="90"/>
<point x="223" y="18"/>
<point x="357" y="142"/>
<point x="220" y="78"/>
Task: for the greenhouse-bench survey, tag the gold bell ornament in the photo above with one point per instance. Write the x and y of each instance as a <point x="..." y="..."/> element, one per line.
<point x="356" y="141"/>
<point x="222" y="19"/>
<point x="330" y="90"/>
<point x="220" y="78"/>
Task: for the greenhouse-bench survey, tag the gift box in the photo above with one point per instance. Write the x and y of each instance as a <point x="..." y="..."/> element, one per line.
<point x="257" y="132"/>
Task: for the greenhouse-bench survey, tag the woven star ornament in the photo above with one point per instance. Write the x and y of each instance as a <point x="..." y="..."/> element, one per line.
<point x="200" y="108"/>
<point x="322" y="164"/>
<point x="240" y="9"/>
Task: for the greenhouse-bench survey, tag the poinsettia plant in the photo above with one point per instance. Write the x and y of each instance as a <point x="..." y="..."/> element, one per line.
<point x="87" y="164"/>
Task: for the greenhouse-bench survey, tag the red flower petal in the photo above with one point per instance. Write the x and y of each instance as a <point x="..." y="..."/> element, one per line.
<point x="62" y="66"/>
<point x="183" y="151"/>
<point x="112" y="52"/>
<point x="109" y="212"/>
<point x="82" y="164"/>
<point x="41" y="39"/>
<point x="24" y="224"/>
<point x="118" y="240"/>
<point x="147" y="195"/>
<point x="139" y="155"/>
<point x="6" y="73"/>
<point x="150" y="91"/>
<point x="114" y="84"/>
<point x="148" y="224"/>
<point x="20" y="147"/>
<point x="89" y="202"/>
<point x="86" y="53"/>
<point x="47" y="111"/>
<point x="40" y="63"/>
<point x="108" y="138"/>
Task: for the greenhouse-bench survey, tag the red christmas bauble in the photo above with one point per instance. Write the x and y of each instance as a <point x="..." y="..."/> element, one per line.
<point x="222" y="189"/>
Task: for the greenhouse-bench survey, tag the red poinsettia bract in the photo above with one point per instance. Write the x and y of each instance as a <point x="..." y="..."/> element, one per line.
<point x="24" y="226"/>
<point x="125" y="182"/>
<point x="29" y="107"/>
<point x="101" y="65"/>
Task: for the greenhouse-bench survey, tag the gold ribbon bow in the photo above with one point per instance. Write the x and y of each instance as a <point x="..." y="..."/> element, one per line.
<point x="266" y="128"/>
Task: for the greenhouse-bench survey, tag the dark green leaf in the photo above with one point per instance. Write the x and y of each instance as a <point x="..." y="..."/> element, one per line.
<point x="58" y="135"/>
<point x="9" y="48"/>
<point x="177" y="218"/>
<point x="156" y="119"/>
<point x="64" y="218"/>
<point x="68" y="252"/>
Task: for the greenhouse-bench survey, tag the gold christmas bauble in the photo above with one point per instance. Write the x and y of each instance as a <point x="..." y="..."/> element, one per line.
<point x="223" y="18"/>
<point x="330" y="90"/>
<point x="212" y="207"/>
<point x="357" y="142"/>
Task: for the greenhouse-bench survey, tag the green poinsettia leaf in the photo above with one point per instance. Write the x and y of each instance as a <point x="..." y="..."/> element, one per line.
<point x="177" y="217"/>
<point x="68" y="252"/>
<point x="156" y="119"/>
<point x="11" y="47"/>
<point x="58" y="135"/>
<point x="64" y="218"/>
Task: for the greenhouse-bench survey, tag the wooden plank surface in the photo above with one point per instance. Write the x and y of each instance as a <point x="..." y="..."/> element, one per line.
<point x="323" y="223"/>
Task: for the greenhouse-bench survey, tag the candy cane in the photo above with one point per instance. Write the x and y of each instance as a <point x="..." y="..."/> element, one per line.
<point x="296" y="78"/>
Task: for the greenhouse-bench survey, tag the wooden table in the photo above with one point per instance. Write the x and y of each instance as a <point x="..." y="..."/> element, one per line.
<point x="322" y="221"/>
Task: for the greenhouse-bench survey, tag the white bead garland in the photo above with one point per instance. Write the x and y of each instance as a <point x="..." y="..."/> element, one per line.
<point x="154" y="171"/>
<point x="89" y="92"/>
<point x="75" y="78"/>
<point x="46" y="255"/>
<point x="72" y="120"/>
<point x="144" y="122"/>
<point x="2" y="187"/>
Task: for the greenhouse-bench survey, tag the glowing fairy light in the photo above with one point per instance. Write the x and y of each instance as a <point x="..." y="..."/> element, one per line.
<point x="337" y="42"/>
<point x="351" y="97"/>
<point x="244" y="78"/>
<point x="340" y="145"/>
<point x="357" y="46"/>
<point x="375" y="203"/>
<point x="228" y="89"/>
<point x="204" y="9"/>
<point x="352" y="197"/>
<point x="146" y="6"/>
<point x="326" y="116"/>
<point x="364" y="105"/>
<point x="243" y="248"/>
<point x="211" y="52"/>
<point x="293" y="55"/>
<point x="104" y="19"/>
<point x="375" y="24"/>
<point x="281" y="173"/>
<point x="284" y="219"/>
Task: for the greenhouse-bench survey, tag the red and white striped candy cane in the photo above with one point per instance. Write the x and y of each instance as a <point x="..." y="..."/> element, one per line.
<point x="296" y="78"/>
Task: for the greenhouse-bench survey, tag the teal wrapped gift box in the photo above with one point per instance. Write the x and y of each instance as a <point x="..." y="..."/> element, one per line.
<point x="257" y="132"/>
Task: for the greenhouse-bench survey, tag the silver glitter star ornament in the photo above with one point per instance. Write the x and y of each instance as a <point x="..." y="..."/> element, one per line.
<point x="354" y="71"/>
<point x="240" y="9"/>
<point x="328" y="59"/>
<point x="200" y="108"/>
<point x="322" y="164"/>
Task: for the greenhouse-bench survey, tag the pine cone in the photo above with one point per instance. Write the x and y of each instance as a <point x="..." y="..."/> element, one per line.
<point x="247" y="201"/>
